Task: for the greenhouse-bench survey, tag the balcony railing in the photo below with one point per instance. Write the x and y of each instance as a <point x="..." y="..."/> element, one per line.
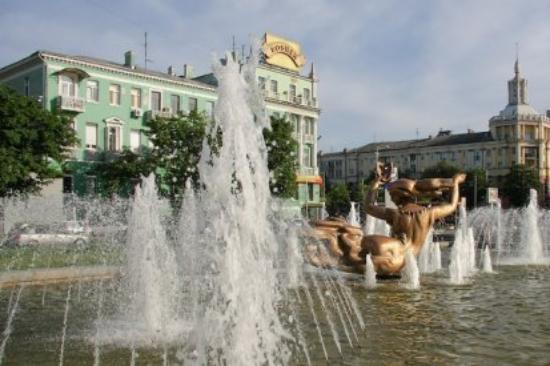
<point x="73" y="104"/>
<point x="308" y="171"/>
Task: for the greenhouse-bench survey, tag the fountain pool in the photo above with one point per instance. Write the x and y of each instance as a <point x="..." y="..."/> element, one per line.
<point x="495" y="319"/>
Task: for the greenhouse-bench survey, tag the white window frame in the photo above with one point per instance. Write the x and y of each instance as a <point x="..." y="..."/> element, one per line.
<point x="135" y="98"/>
<point x="93" y="99"/>
<point x="115" y="88"/>
<point x="88" y="145"/>
<point x="118" y="124"/>
<point x="178" y="107"/>
<point x="72" y="87"/>
<point x="132" y="133"/>
<point x="151" y="99"/>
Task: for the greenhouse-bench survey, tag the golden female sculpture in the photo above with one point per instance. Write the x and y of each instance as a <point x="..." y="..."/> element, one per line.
<point x="410" y="223"/>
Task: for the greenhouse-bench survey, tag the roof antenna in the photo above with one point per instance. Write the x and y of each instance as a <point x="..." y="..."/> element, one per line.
<point x="145" y="45"/>
<point x="417" y="133"/>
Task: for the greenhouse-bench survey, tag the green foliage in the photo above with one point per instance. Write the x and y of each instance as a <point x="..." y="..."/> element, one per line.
<point x="177" y="150"/>
<point x="443" y="169"/>
<point x="518" y="182"/>
<point x="121" y="175"/>
<point x="338" y="200"/>
<point x="30" y="139"/>
<point x="281" y="157"/>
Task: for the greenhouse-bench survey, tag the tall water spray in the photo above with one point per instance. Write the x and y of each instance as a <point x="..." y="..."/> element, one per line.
<point x="237" y="322"/>
<point x="531" y="242"/>
<point x="152" y="270"/>
<point x="429" y="259"/>
<point x="462" y="263"/>
<point x="354" y="217"/>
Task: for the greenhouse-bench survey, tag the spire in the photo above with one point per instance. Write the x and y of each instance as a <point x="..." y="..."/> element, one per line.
<point x="517" y="87"/>
<point x="312" y="72"/>
<point x="516" y="64"/>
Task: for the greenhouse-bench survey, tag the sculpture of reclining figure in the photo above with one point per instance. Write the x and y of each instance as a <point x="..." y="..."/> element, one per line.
<point x="410" y="223"/>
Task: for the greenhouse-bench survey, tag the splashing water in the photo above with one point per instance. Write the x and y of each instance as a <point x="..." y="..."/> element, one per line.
<point x="410" y="275"/>
<point x="354" y="217"/>
<point x="487" y="264"/>
<point x="370" y="273"/>
<point x="462" y="262"/>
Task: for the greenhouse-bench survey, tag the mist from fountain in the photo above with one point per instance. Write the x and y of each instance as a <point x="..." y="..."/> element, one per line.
<point x="518" y="236"/>
<point x="375" y="226"/>
<point x="462" y="259"/>
<point x="354" y="216"/>
<point x="410" y="274"/>
<point x="370" y="273"/>
<point x="429" y="258"/>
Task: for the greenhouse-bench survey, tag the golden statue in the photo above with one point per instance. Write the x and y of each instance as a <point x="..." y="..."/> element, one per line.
<point x="410" y="223"/>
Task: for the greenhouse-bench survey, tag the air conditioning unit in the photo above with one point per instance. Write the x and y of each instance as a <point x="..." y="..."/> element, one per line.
<point x="137" y="113"/>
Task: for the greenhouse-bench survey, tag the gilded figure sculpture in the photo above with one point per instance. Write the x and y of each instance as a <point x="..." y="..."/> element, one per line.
<point x="345" y="247"/>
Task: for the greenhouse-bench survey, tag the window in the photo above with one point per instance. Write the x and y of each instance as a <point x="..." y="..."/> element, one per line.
<point x="135" y="95"/>
<point x="273" y="86"/>
<point x="261" y="83"/>
<point x="67" y="86"/>
<point x="114" y="142"/>
<point x="295" y="120"/>
<point x="92" y="91"/>
<point x="114" y="94"/>
<point x="192" y="104"/>
<point x="135" y="140"/>
<point x="292" y="93"/>
<point x="91" y="136"/>
<point x="210" y="109"/>
<point x="307" y="94"/>
<point x="175" y="103"/>
<point x="307" y="157"/>
<point x="311" y="191"/>
<point x="156" y="101"/>
<point x="27" y="87"/>
<point x="309" y="126"/>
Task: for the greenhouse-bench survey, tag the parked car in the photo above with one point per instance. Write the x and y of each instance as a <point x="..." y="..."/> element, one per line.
<point x="65" y="233"/>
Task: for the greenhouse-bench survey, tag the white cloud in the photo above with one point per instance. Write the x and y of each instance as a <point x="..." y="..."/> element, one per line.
<point x="386" y="68"/>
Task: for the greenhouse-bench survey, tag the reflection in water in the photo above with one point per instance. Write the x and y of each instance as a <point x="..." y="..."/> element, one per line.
<point x="498" y="319"/>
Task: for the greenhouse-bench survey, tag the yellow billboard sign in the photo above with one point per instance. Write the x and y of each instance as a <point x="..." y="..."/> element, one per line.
<point x="283" y="53"/>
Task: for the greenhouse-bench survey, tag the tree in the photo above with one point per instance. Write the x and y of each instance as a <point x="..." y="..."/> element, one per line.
<point x="281" y="157"/>
<point x="443" y="169"/>
<point x="121" y="175"/>
<point x="337" y="200"/>
<point x="31" y="139"/>
<point x="475" y="186"/>
<point x="518" y="182"/>
<point x="177" y="150"/>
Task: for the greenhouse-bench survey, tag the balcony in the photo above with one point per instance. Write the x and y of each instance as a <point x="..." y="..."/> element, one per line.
<point x="72" y="104"/>
<point x="164" y="113"/>
<point x="308" y="171"/>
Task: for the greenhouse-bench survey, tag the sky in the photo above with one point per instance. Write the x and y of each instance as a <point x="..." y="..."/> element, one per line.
<point x="388" y="70"/>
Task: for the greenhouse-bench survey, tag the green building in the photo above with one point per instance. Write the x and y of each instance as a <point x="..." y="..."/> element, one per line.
<point x="111" y="103"/>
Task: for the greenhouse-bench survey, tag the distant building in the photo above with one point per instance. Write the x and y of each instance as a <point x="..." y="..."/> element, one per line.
<point x="110" y="104"/>
<point x="518" y="134"/>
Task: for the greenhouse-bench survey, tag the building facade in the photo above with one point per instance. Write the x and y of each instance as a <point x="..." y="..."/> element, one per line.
<point x="518" y="134"/>
<point x="111" y="103"/>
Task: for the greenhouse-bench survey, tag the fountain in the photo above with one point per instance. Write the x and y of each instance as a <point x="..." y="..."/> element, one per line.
<point x="518" y="236"/>
<point x="462" y="258"/>
<point x="224" y="282"/>
<point x="354" y="217"/>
